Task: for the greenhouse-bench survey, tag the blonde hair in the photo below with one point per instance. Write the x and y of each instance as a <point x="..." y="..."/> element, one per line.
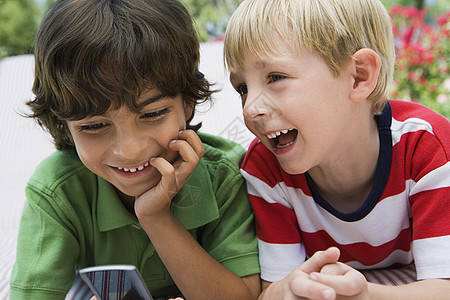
<point x="334" y="29"/>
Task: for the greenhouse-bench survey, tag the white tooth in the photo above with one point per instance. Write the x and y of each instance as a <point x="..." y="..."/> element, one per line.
<point x="141" y="168"/>
<point x="132" y="170"/>
<point x="146" y="164"/>
<point x="285" y="131"/>
<point x="278" y="133"/>
<point x="126" y="170"/>
<point x="119" y="168"/>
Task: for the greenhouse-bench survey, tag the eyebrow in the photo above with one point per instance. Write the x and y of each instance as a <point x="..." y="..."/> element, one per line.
<point x="152" y="99"/>
<point x="264" y="64"/>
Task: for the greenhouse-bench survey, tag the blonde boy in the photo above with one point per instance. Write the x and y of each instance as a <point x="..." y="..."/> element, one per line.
<point x="338" y="173"/>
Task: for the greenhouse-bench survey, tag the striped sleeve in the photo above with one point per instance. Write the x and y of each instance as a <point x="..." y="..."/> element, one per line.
<point x="425" y="140"/>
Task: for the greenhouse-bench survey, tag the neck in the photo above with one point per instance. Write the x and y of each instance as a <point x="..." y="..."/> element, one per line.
<point x="127" y="201"/>
<point x="346" y="182"/>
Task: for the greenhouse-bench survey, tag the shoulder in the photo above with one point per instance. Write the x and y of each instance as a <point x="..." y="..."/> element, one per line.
<point x="221" y="152"/>
<point x="409" y="118"/>
<point x="258" y="153"/>
<point x="218" y="172"/>
<point x="261" y="164"/>
<point x="409" y="111"/>
<point x="58" y="170"/>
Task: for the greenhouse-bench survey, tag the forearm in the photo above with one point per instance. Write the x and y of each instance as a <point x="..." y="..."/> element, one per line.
<point x="426" y="289"/>
<point x="196" y="273"/>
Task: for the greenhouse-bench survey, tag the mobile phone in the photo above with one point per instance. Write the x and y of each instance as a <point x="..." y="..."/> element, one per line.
<point x="115" y="282"/>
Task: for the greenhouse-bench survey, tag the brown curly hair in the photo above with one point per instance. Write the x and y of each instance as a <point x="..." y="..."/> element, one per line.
<point x="94" y="55"/>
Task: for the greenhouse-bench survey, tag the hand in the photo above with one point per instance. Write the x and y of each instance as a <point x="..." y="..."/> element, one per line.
<point x="299" y="285"/>
<point x="178" y="298"/>
<point x="173" y="175"/>
<point x="345" y="280"/>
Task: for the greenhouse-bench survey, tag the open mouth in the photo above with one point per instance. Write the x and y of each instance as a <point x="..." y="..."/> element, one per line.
<point x="282" y="139"/>
<point x="135" y="169"/>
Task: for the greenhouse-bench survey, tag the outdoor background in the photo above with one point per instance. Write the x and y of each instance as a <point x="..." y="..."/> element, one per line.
<point x="421" y="29"/>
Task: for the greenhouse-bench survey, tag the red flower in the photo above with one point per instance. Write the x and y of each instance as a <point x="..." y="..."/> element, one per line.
<point x="422" y="56"/>
<point x="443" y="19"/>
<point x="422" y="80"/>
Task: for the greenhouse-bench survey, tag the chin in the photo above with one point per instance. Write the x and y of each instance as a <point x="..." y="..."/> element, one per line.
<point x="292" y="168"/>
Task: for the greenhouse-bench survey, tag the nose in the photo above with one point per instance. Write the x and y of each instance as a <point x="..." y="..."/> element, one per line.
<point x="129" y="142"/>
<point x="258" y="106"/>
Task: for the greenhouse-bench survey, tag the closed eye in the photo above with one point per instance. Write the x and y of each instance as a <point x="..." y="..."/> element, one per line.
<point x="155" y="115"/>
<point x="93" y="127"/>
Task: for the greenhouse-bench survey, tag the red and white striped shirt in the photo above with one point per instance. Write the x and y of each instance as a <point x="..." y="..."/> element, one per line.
<point x="405" y="219"/>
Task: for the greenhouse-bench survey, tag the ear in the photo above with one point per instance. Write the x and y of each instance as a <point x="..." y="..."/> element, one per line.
<point x="365" y="65"/>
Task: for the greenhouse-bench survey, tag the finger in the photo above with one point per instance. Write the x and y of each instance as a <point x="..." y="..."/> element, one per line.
<point x="304" y="287"/>
<point x="167" y="171"/>
<point x="333" y="269"/>
<point x="346" y="281"/>
<point x="185" y="163"/>
<point x="189" y="146"/>
<point x="190" y="150"/>
<point x="320" y="259"/>
<point x="193" y="140"/>
<point x="187" y="153"/>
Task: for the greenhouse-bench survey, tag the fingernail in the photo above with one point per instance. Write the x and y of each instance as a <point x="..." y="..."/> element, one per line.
<point x="327" y="294"/>
<point x="172" y="142"/>
<point x="313" y="277"/>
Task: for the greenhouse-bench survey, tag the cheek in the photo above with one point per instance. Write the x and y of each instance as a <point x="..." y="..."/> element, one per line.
<point x="90" y="153"/>
<point x="252" y="125"/>
<point x="163" y="134"/>
<point x="90" y="156"/>
<point x="181" y="121"/>
<point x="171" y="128"/>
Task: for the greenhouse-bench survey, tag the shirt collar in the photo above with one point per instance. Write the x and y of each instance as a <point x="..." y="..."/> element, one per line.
<point x="194" y="205"/>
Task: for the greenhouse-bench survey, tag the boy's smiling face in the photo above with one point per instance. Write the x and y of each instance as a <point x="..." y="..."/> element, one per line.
<point x="119" y="144"/>
<point x="295" y="105"/>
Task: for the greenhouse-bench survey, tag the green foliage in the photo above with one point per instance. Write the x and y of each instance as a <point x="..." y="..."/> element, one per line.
<point x="19" y="19"/>
<point x="18" y="25"/>
<point x="211" y="16"/>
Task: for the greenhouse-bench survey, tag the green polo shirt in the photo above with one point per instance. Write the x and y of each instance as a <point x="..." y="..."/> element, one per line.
<point x="74" y="219"/>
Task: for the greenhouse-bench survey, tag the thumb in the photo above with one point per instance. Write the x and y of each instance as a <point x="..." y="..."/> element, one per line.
<point x="320" y="259"/>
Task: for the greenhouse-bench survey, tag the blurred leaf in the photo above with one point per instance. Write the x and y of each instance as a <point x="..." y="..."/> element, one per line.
<point x="18" y="26"/>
